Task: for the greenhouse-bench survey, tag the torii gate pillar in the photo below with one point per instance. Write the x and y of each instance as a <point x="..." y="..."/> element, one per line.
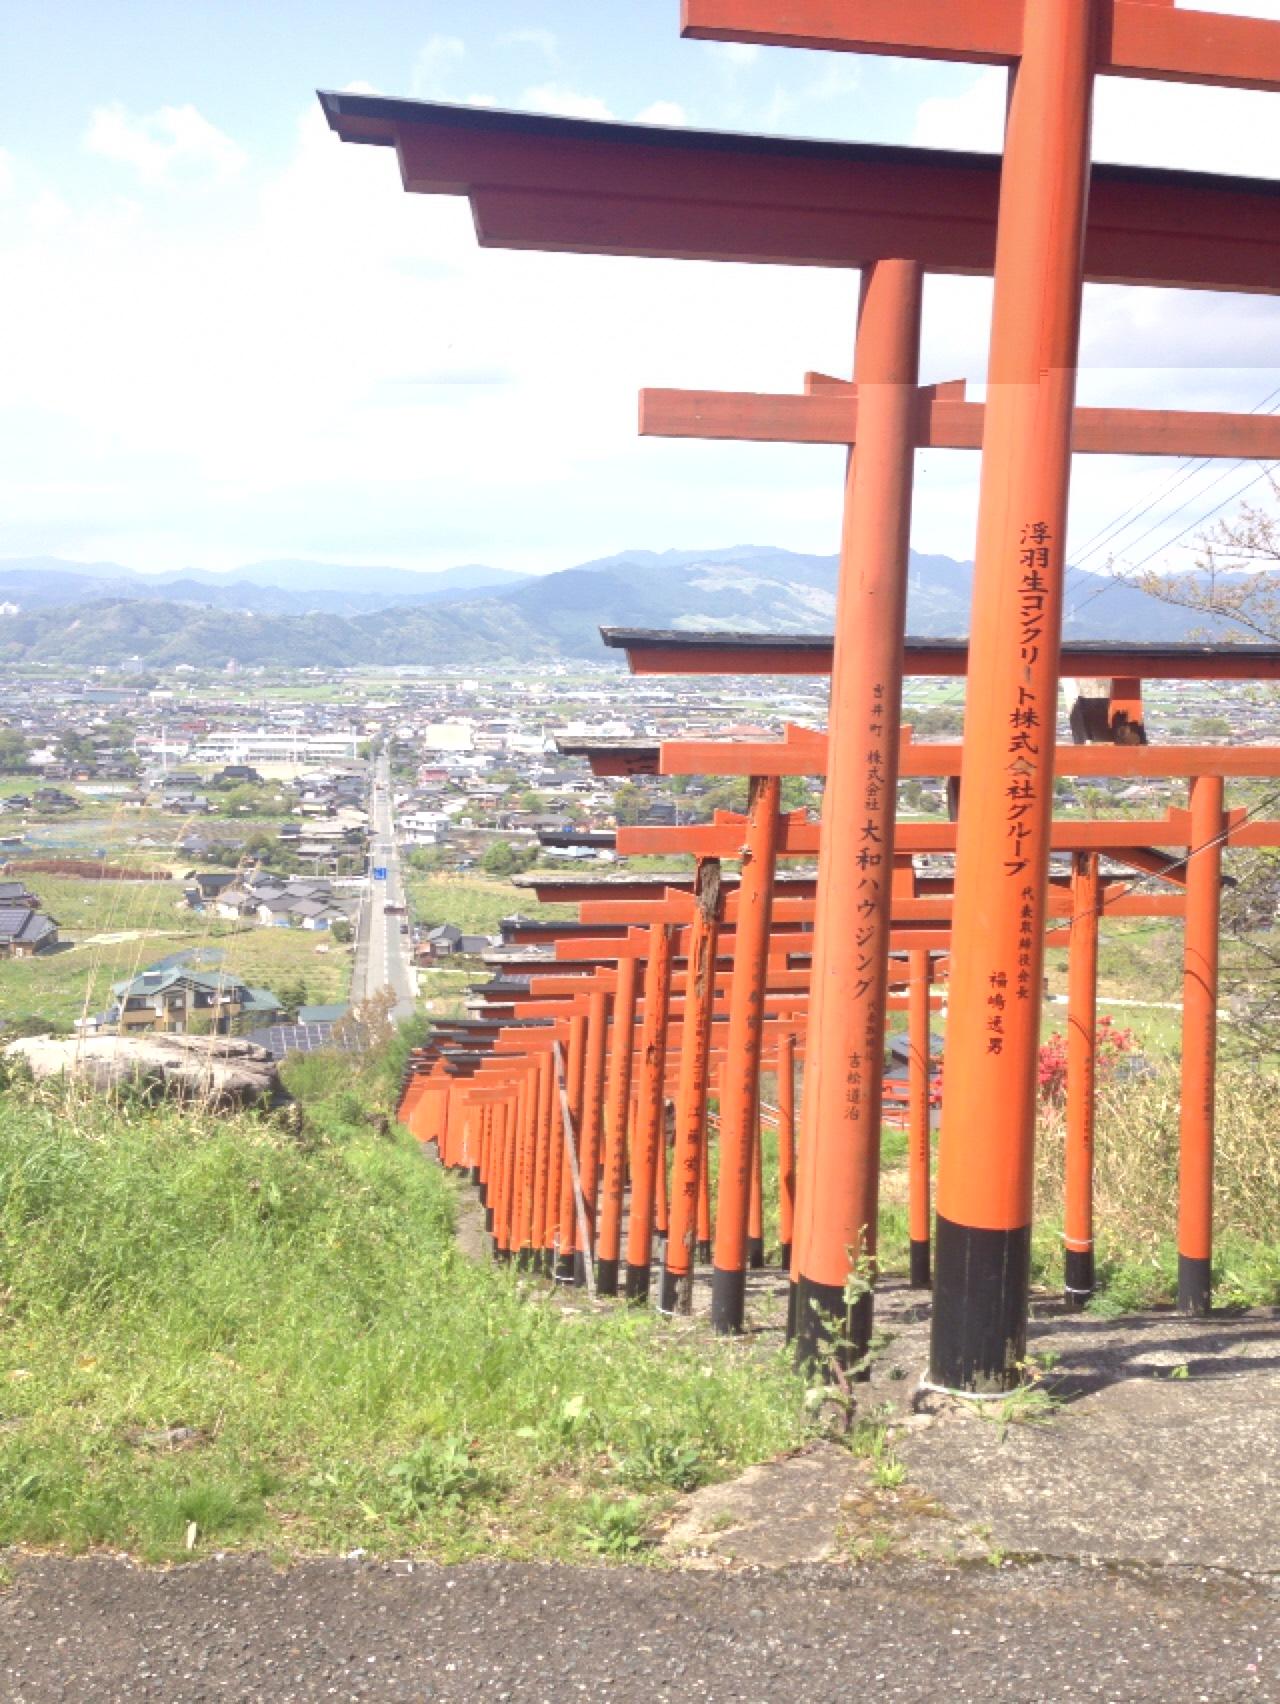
<point x="837" y="1185"/>
<point x="987" y="1143"/>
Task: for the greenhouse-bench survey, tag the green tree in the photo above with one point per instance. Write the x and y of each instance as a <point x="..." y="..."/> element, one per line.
<point x="502" y="859"/>
<point x="630" y="803"/>
<point x="75" y="749"/>
<point x="14" y="749"/>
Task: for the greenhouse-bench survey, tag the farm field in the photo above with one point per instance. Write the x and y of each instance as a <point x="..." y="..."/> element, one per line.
<point x="476" y="904"/>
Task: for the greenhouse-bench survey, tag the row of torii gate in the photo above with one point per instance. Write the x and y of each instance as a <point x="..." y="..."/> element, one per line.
<point x="1043" y="220"/>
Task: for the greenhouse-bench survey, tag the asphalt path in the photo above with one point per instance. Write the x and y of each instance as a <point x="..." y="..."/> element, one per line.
<point x="383" y="951"/>
<point x="238" y="1629"/>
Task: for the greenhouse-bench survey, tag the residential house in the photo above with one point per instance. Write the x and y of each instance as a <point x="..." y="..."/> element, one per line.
<point x="24" y="932"/>
<point x="446" y="940"/>
<point x="178" y="1000"/>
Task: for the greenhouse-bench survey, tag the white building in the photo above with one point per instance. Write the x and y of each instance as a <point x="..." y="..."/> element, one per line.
<point x="276" y="745"/>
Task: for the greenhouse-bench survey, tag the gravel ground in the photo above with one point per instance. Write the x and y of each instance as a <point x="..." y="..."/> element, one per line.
<point x="235" y="1629"/>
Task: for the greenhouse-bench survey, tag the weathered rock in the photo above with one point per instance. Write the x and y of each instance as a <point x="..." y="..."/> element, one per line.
<point x="223" y="1070"/>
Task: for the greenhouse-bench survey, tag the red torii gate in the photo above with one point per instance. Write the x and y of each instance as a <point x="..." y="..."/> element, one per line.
<point x="1055" y="48"/>
<point x="1040" y="260"/>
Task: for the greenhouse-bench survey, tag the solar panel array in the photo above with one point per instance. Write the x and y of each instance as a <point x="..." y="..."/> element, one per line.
<point x="282" y="1039"/>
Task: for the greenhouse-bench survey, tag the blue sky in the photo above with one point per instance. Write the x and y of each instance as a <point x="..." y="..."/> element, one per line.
<point x="227" y="337"/>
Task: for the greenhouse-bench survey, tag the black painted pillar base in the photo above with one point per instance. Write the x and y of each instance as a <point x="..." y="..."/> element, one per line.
<point x="502" y="1255"/>
<point x="702" y="1254"/>
<point x="606" y="1278"/>
<point x="579" y="1269"/>
<point x="979" y="1337"/>
<point x="546" y="1263"/>
<point x="826" y="1329"/>
<point x="755" y="1253"/>
<point x="526" y="1260"/>
<point x="637" y="1283"/>
<point x="784" y="1256"/>
<point x="1195" y="1286"/>
<point x="475" y="1176"/>
<point x="792" y="1291"/>
<point x="1078" y="1281"/>
<point x="728" y="1301"/>
<point x="921" y="1273"/>
<point x="563" y="1272"/>
<point x="488" y="1220"/>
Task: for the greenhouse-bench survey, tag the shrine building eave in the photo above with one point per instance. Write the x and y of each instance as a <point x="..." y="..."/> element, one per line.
<point x="653" y="652"/>
<point x="582" y="186"/>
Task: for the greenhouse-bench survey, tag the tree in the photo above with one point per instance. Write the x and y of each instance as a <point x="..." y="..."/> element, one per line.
<point x="1236" y="586"/>
<point x="14" y="750"/>
<point x="940" y="722"/>
<point x="1236" y="579"/>
<point x="76" y="749"/>
<point x="502" y="859"/>
<point x="630" y="803"/>
<point x="292" y="995"/>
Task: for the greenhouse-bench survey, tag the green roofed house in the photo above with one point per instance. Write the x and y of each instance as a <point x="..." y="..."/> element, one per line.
<point x="322" y="1014"/>
<point x="176" y="1000"/>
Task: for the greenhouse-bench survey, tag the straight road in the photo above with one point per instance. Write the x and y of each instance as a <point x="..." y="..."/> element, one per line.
<point x="383" y="947"/>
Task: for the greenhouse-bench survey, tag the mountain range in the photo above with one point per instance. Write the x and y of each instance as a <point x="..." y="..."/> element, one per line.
<point x="334" y="615"/>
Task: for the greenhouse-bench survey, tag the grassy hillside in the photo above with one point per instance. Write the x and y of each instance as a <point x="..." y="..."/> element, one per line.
<point x="216" y="1333"/>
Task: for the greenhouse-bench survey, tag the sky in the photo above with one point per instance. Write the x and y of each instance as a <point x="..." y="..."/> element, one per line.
<point x="227" y="337"/>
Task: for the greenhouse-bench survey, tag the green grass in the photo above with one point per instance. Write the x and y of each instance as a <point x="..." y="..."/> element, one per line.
<point x="85" y="907"/>
<point x="59" y="986"/>
<point x="210" y="1321"/>
<point x="476" y="904"/>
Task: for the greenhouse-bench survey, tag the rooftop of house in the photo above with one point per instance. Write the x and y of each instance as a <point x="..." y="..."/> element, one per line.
<point x="19" y="923"/>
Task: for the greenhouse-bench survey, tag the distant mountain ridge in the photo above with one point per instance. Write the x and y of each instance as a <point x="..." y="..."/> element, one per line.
<point x="281" y="587"/>
<point x="317" y="614"/>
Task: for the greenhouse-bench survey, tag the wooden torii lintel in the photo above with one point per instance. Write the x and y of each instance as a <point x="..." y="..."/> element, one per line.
<point x="828" y="414"/>
<point x="1151" y="39"/>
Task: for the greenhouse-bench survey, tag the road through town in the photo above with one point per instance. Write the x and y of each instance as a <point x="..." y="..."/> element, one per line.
<point x="383" y="958"/>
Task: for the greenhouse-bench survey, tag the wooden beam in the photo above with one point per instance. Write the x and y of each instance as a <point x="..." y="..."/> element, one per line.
<point x="1139" y="38"/>
<point x="830" y="416"/>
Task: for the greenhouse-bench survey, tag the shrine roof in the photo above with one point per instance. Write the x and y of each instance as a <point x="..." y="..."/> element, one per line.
<point x="543" y="182"/>
<point x="654" y="651"/>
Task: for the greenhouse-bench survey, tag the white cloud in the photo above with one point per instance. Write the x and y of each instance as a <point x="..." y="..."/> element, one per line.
<point x="437" y="59"/>
<point x="973" y="119"/>
<point x="343" y="373"/>
<point x="738" y="52"/>
<point x="171" y="145"/>
<point x="663" y="112"/>
<point x="543" y="40"/>
<point x="565" y="103"/>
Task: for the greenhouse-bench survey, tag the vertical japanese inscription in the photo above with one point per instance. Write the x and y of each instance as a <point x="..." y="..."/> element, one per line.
<point x="869" y="863"/>
<point x="1024" y="740"/>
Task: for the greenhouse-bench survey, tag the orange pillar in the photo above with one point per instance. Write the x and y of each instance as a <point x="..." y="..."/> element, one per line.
<point x="575" y="1059"/>
<point x="503" y="1123"/>
<point x="1199" y="1046"/>
<point x="838" y="1185"/>
<point x="988" y="1130"/>
<point x="529" y="1129"/>
<point x="592" y="1115"/>
<point x="689" y="1160"/>
<point x="702" y="1252"/>
<point x="918" y="1116"/>
<point x="755" y="1209"/>
<point x="614" y="1181"/>
<point x="786" y="1143"/>
<point x="649" y="1133"/>
<point x="740" y="1073"/>
<point x="542" y="1164"/>
<point x="1082" y="1062"/>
